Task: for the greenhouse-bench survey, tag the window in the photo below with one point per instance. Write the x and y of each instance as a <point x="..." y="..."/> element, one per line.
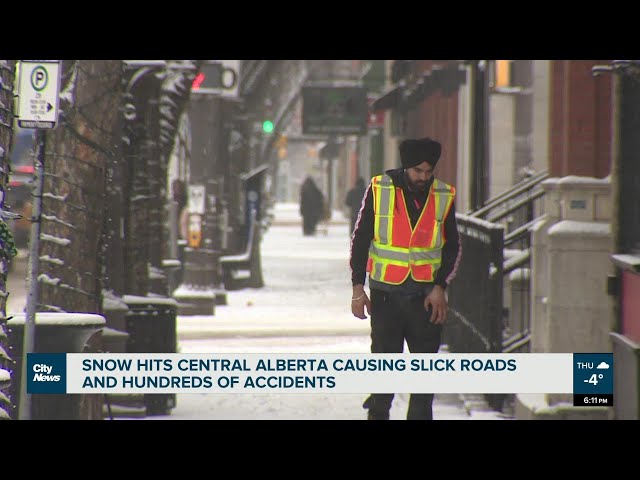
<point x="398" y="123"/>
<point x="502" y="74"/>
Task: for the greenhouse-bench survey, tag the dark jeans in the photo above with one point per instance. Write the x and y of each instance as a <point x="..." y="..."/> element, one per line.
<point x="394" y="318"/>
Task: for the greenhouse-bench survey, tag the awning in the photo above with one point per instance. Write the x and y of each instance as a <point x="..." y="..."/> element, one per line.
<point x="330" y="149"/>
<point x="401" y="97"/>
<point x="252" y="173"/>
<point x="388" y="100"/>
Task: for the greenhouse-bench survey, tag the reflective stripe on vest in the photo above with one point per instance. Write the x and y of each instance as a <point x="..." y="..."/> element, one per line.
<point x="397" y="250"/>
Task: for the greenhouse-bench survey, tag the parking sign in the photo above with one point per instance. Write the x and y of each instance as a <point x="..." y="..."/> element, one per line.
<point x="38" y="89"/>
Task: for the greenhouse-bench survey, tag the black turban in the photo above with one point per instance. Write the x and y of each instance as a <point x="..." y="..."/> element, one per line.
<point x="414" y="152"/>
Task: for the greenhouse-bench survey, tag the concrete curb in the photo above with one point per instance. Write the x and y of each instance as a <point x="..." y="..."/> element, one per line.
<point x="535" y="407"/>
<point x="296" y="223"/>
<point x="204" y="334"/>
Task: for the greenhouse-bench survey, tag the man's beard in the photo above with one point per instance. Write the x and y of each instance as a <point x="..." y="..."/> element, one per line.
<point x="416" y="186"/>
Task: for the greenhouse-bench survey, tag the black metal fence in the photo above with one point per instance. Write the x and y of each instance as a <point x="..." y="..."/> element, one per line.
<point x="478" y="320"/>
<point x="475" y="322"/>
<point x="516" y="209"/>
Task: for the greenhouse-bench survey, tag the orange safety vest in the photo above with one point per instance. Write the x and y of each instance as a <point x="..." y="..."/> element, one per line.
<point x="398" y="250"/>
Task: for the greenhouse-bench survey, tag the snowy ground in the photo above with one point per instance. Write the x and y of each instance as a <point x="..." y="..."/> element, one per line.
<point x="303" y="308"/>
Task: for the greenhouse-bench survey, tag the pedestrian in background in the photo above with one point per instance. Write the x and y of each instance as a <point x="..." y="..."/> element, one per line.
<point x="406" y="237"/>
<point x="311" y="206"/>
<point x="180" y="196"/>
<point x="353" y="200"/>
<point x="179" y="191"/>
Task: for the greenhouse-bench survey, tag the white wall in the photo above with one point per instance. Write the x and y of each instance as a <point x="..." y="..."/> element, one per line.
<point x="501" y="141"/>
<point x="463" y="180"/>
<point x="541" y="83"/>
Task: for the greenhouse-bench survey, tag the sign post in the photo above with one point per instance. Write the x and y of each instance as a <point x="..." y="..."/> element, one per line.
<point x="38" y="94"/>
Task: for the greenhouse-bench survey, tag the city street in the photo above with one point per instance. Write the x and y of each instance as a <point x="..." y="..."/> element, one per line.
<point x="303" y="308"/>
<point x="239" y="159"/>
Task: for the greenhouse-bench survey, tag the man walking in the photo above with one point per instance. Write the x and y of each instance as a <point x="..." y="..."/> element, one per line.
<point x="406" y="238"/>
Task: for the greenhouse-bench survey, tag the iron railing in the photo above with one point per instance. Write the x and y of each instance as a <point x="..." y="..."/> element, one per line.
<point x="496" y="253"/>
<point x="478" y="321"/>
<point x="475" y="295"/>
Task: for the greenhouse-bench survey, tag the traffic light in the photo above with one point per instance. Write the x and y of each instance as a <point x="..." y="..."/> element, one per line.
<point x="267" y="126"/>
<point x="281" y="145"/>
<point x="209" y="78"/>
<point x="219" y="77"/>
<point x="282" y="141"/>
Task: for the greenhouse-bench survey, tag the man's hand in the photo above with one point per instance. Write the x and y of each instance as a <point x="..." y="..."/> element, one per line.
<point x="360" y="300"/>
<point x="438" y="302"/>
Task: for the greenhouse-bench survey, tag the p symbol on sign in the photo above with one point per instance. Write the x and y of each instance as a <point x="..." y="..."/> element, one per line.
<point x="39" y="78"/>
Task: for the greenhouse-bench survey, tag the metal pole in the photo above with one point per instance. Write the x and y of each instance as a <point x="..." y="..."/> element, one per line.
<point x="473" y="138"/>
<point x="32" y="298"/>
<point x="479" y="140"/>
<point x="330" y="161"/>
<point x="174" y="220"/>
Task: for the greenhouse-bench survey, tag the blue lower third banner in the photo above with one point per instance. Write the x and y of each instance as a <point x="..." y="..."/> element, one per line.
<point x="571" y="373"/>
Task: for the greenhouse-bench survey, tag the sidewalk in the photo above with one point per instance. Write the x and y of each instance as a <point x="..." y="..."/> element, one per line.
<point x="303" y="307"/>
<point x="300" y="311"/>
<point x="291" y="406"/>
<point x="288" y="214"/>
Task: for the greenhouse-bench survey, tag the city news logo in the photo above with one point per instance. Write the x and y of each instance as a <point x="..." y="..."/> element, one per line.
<point x="46" y="372"/>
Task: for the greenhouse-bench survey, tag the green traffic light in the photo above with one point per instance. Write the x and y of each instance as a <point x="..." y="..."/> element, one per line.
<point x="267" y="126"/>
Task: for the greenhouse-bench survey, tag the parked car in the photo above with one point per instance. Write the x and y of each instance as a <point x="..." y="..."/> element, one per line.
<point x="18" y="197"/>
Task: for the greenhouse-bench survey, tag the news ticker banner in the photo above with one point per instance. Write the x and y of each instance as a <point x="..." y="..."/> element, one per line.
<point x="589" y="376"/>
